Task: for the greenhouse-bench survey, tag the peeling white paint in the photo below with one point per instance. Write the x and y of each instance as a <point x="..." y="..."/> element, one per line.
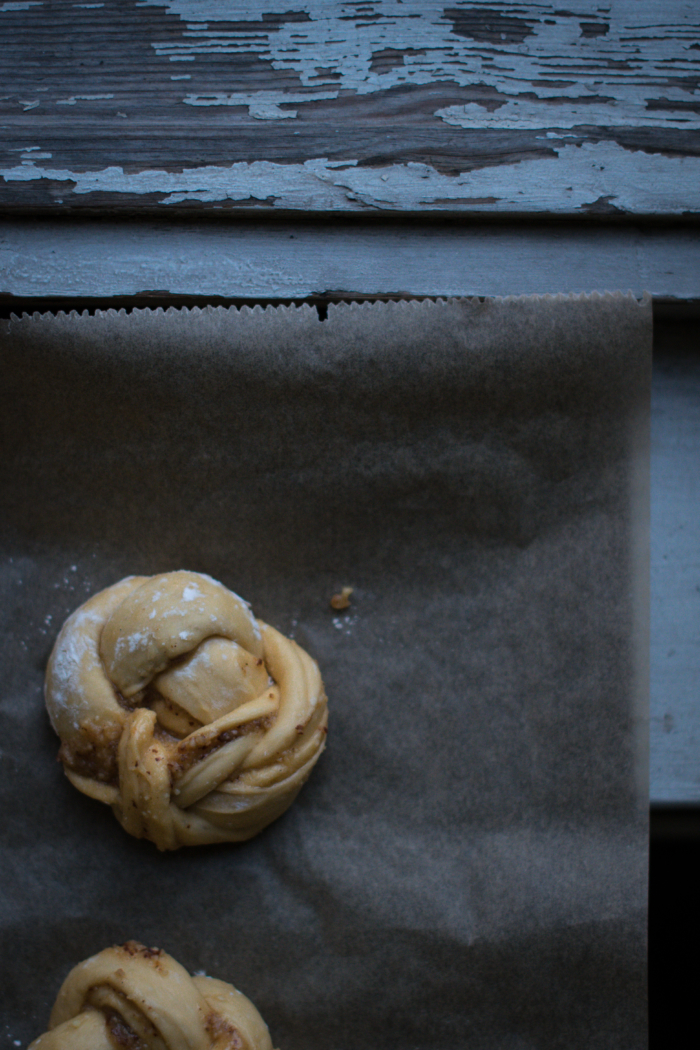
<point x="20" y="5"/>
<point x="573" y="178"/>
<point x="516" y="114"/>
<point x="80" y="98"/>
<point x="263" y="105"/>
<point x="26" y="105"/>
<point x="643" y="53"/>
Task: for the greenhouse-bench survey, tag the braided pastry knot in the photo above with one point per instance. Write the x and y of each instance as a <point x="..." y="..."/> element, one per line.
<point x="136" y="998"/>
<point x="193" y="720"/>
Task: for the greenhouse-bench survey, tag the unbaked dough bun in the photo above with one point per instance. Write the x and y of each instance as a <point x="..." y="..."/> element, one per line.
<point x="136" y="998"/>
<point x="193" y="720"/>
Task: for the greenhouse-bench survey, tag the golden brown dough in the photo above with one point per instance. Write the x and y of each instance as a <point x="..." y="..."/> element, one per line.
<point x="135" y="998"/>
<point x="193" y="720"/>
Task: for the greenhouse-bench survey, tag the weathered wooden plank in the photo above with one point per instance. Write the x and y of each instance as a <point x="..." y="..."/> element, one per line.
<point x="515" y="107"/>
<point x="297" y="259"/>
<point x="675" y="566"/>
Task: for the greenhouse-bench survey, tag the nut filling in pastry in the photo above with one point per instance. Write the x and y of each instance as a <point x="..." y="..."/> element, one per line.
<point x="194" y="721"/>
<point x="136" y="998"/>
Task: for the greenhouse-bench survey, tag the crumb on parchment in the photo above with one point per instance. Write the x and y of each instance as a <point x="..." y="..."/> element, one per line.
<point x="341" y="600"/>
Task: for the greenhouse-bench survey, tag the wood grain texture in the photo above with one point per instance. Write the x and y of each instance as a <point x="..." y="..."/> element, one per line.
<point x="483" y="108"/>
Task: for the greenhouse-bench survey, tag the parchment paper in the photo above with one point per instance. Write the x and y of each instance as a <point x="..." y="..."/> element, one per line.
<point x="466" y="867"/>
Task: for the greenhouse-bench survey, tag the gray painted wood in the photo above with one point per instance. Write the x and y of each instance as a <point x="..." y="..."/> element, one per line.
<point x="371" y="106"/>
<point x="287" y="260"/>
<point x="675" y="566"/>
